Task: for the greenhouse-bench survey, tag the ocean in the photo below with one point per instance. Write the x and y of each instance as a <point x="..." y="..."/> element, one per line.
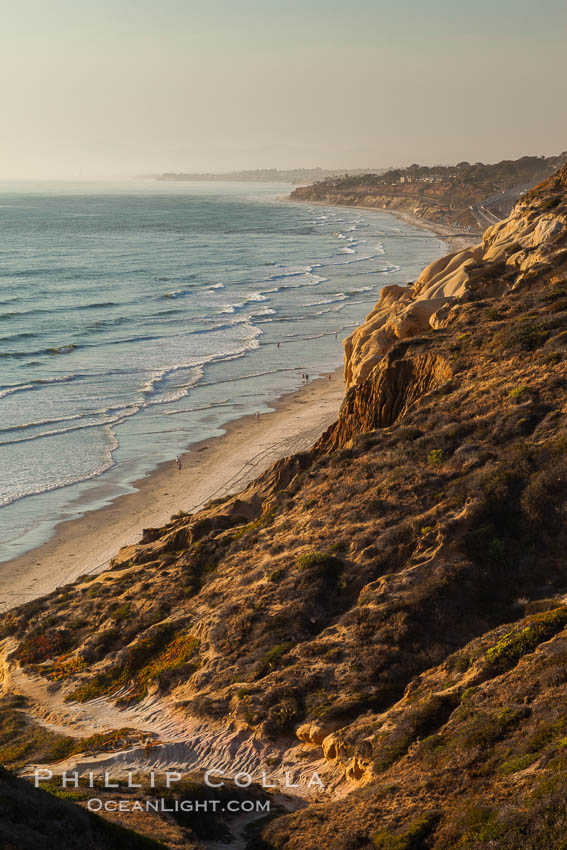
<point x="138" y="318"/>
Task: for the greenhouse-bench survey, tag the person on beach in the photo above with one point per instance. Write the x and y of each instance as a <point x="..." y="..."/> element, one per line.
<point x="257" y="414"/>
<point x="278" y="345"/>
<point x="178" y="462"/>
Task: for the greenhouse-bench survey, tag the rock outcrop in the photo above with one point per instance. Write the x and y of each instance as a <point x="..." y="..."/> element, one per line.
<point x="394" y="384"/>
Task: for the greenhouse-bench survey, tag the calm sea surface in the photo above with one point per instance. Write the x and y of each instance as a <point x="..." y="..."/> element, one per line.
<point x="138" y="318"/>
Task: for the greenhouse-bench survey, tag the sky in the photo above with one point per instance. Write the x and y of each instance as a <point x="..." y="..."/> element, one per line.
<point x="116" y="88"/>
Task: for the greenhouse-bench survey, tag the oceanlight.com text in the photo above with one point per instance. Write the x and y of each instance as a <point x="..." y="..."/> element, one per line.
<point x="161" y="805"/>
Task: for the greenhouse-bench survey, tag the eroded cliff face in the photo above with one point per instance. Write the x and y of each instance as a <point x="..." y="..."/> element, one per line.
<point x="386" y="395"/>
<point x="440" y="194"/>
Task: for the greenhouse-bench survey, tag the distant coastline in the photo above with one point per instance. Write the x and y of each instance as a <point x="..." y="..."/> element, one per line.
<point x="297" y="176"/>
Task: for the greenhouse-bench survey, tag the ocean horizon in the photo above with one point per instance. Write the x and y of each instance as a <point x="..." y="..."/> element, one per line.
<point x="139" y="318"/>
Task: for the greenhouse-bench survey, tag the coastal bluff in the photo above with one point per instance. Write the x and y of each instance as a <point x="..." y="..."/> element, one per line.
<point x="387" y="609"/>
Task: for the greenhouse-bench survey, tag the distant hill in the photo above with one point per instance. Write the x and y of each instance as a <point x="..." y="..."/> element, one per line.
<point x="465" y="195"/>
<point x="268" y="175"/>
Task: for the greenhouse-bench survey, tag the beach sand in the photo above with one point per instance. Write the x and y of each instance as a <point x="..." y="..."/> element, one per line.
<point x="457" y="240"/>
<point x="210" y="469"/>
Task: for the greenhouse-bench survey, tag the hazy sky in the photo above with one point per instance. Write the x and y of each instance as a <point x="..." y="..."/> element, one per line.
<point x="119" y="87"/>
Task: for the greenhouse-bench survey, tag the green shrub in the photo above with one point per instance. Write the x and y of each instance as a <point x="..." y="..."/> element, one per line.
<point x="513" y="765"/>
<point x="545" y="734"/>
<point x="494" y="313"/>
<point x="526" y="334"/>
<point x="157" y="657"/>
<point x="524" y="639"/>
<point x="256" y="524"/>
<point x="272" y="659"/>
<point x="282" y="716"/>
<point x="23" y="741"/>
<point x="243" y="692"/>
<point x="478" y="824"/>
<point x="435" y="457"/>
<point x="411" y="837"/>
<point x="123" y="612"/>
<point x="517" y="392"/>
<point x="497" y="550"/>
<point x="545" y="498"/>
<point x="484" y="729"/>
<point x="322" y="562"/>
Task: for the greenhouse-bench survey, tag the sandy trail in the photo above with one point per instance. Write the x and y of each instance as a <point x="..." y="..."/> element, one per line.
<point x="178" y="742"/>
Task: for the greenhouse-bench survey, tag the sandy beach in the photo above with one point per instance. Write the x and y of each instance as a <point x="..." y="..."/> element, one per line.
<point x="210" y="469"/>
<point x="456" y="240"/>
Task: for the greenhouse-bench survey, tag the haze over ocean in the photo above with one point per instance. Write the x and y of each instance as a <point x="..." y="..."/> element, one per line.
<point x="136" y="319"/>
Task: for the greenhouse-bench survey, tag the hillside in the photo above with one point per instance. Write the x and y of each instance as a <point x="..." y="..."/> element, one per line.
<point x="388" y="609"/>
<point x="441" y="194"/>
